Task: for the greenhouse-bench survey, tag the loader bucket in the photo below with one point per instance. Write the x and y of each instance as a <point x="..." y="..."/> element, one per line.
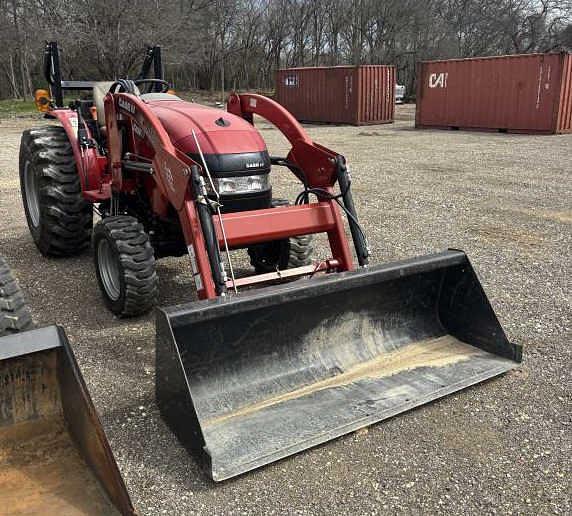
<point x="248" y="380"/>
<point x="54" y="456"/>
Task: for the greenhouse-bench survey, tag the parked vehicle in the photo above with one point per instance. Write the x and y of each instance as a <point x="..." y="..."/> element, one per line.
<point x="399" y="94"/>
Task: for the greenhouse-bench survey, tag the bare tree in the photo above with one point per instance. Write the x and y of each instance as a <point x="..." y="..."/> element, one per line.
<point x="222" y="44"/>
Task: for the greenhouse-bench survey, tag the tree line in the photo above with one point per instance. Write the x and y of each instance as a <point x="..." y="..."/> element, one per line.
<point x="239" y="44"/>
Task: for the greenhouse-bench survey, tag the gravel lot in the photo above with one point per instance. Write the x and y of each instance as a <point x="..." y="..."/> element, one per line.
<point x="501" y="447"/>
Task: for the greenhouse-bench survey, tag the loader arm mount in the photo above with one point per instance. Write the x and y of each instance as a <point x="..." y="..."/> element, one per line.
<point x="317" y="167"/>
<point x="171" y="171"/>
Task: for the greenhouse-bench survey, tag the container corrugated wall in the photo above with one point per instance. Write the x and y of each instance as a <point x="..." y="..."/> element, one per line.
<point x="564" y="122"/>
<point x="376" y="94"/>
<point x="523" y="93"/>
<point x="341" y="94"/>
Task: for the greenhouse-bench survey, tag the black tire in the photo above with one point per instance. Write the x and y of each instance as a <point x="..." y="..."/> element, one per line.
<point x="14" y="313"/>
<point x="125" y="266"/>
<point x="59" y="218"/>
<point x="281" y="254"/>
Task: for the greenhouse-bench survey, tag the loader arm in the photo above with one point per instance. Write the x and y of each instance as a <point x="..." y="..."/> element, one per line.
<point x="316" y="167"/>
<point x="171" y="170"/>
<point x="317" y="162"/>
<point x="171" y="173"/>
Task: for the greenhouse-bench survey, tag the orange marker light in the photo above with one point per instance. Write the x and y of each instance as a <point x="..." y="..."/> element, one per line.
<point x="42" y="100"/>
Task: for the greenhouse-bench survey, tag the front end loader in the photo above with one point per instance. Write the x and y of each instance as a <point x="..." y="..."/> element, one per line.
<point x="246" y="376"/>
<point x="54" y="456"/>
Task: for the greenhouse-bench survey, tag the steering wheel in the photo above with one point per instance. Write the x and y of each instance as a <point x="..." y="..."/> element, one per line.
<point x="164" y="84"/>
<point x="130" y="86"/>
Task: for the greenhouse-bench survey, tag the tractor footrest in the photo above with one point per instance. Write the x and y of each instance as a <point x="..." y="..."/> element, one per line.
<point x="99" y="195"/>
<point x="288" y="274"/>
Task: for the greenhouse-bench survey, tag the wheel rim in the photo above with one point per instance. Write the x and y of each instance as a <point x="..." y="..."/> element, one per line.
<point x="108" y="270"/>
<point x="32" y="194"/>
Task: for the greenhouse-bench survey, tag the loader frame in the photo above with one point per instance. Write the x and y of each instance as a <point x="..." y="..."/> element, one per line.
<point x="101" y="171"/>
<point x="318" y="167"/>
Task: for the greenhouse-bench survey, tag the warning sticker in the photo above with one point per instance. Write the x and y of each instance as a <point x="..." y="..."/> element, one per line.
<point x="195" y="267"/>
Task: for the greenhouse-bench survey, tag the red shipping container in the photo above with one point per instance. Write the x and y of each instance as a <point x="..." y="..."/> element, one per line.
<point x="356" y="95"/>
<point x="529" y="93"/>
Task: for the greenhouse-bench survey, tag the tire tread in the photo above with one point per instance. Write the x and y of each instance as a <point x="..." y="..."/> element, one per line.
<point x="14" y="313"/>
<point x="66" y="217"/>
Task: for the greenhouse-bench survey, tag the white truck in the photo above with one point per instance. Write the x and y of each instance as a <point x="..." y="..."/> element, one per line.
<point x="399" y="93"/>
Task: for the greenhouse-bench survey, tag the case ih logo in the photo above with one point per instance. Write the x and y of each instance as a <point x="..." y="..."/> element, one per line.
<point x="255" y="164"/>
<point x="127" y="106"/>
<point x="438" y="80"/>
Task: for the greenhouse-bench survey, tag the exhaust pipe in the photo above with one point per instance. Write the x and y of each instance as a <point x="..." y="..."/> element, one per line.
<point x="248" y="380"/>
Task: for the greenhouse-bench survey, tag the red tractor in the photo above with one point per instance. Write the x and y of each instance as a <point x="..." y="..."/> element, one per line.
<point x="248" y="377"/>
<point x="156" y="169"/>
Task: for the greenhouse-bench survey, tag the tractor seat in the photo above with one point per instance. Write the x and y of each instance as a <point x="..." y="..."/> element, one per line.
<point x="100" y="90"/>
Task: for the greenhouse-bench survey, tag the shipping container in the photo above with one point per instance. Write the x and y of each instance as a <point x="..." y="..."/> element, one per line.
<point x="530" y="93"/>
<point x="355" y="95"/>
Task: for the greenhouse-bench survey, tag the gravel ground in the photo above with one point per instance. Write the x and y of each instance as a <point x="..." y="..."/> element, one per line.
<point x="501" y="447"/>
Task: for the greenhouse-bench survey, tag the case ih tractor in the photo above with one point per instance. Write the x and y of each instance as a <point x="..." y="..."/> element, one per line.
<point x="247" y="376"/>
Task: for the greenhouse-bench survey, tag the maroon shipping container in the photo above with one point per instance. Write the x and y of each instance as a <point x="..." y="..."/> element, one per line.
<point x="355" y="95"/>
<point x="530" y="93"/>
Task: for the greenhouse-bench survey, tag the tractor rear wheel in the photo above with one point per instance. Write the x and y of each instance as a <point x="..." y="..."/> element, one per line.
<point x="125" y="266"/>
<point x="14" y="313"/>
<point x="59" y="218"/>
<point x="281" y="254"/>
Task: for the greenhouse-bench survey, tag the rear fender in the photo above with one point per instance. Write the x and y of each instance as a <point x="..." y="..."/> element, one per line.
<point x="68" y="119"/>
<point x="90" y="165"/>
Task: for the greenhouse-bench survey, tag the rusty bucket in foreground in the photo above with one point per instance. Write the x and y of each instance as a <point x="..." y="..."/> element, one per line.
<point x="248" y="380"/>
<point x="54" y="456"/>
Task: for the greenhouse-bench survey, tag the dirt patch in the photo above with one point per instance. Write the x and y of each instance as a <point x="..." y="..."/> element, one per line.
<point x="438" y="352"/>
<point x="502" y="235"/>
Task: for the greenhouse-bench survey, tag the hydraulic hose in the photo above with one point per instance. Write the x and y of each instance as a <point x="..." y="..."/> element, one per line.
<point x="208" y="229"/>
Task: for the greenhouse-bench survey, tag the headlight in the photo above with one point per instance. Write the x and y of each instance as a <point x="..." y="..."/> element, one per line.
<point x="241" y="184"/>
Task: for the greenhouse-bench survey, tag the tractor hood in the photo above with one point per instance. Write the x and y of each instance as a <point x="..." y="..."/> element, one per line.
<point x="218" y="132"/>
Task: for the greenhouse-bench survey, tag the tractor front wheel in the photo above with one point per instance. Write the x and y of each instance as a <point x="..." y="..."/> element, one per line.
<point x="59" y="218"/>
<point x="125" y="266"/>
